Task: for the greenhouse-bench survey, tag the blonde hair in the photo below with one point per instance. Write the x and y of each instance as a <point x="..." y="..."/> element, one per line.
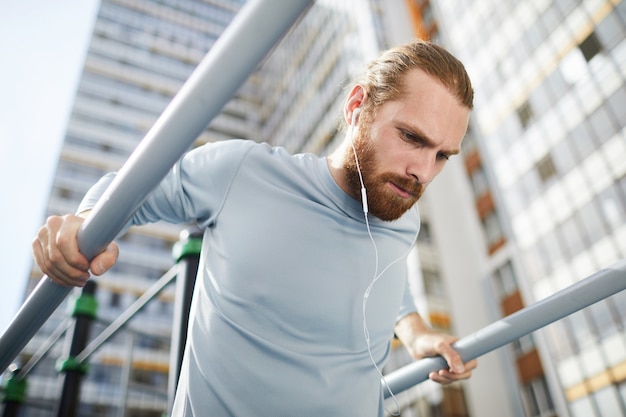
<point x="383" y="79"/>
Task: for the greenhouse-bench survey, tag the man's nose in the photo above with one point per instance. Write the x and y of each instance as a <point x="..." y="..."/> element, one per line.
<point x="423" y="167"/>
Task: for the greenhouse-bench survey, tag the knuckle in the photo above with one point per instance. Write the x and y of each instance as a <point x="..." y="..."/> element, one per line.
<point x="53" y="220"/>
<point x="440" y="345"/>
<point x="55" y="257"/>
<point x="62" y="239"/>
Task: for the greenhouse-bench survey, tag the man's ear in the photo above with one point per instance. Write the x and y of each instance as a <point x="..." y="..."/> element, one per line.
<point x="356" y="98"/>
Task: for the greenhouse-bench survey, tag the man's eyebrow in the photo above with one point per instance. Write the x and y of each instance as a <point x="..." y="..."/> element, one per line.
<point x="425" y="139"/>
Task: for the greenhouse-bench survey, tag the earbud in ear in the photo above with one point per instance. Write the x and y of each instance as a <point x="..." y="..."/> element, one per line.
<point x="355" y="114"/>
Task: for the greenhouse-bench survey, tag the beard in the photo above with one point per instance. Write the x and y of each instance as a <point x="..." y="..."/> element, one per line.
<point x="382" y="201"/>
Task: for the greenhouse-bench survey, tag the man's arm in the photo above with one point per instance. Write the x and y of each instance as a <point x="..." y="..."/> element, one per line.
<point x="421" y="341"/>
<point x="55" y="249"/>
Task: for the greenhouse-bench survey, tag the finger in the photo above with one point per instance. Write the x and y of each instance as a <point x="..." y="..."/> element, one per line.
<point x="445" y="377"/>
<point x="105" y="260"/>
<point x="71" y="278"/>
<point x="440" y="377"/>
<point x="471" y="365"/>
<point x="448" y="375"/>
<point x="67" y="243"/>
<point x="54" y="273"/>
<point x="452" y="358"/>
<point x="51" y="259"/>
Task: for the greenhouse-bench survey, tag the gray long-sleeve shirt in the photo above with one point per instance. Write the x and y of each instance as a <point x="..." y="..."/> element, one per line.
<point x="276" y="326"/>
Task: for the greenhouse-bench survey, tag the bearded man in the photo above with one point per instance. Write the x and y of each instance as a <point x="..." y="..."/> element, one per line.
<point x="286" y="319"/>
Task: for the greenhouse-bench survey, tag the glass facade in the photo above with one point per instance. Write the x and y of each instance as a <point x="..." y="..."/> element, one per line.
<point x="550" y="81"/>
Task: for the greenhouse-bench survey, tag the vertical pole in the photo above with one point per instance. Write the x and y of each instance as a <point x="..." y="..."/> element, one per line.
<point x="84" y="311"/>
<point x="186" y="252"/>
<point x="14" y="394"/>
<point x="127" y="371"/>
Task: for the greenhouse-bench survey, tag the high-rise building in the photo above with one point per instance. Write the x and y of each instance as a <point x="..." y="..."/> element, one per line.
<point x="140" y="54"/>
<point x="544" y="168"/>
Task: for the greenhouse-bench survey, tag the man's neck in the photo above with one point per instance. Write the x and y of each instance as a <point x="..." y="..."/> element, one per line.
<point x="336" y="165"/>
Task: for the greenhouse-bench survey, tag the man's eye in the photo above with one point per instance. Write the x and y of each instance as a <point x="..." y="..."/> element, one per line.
<point x="412" y="138"/>
<point x="443" y="156"/>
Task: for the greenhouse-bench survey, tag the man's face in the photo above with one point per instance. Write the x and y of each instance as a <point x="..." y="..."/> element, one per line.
<point x="405" y="145"/>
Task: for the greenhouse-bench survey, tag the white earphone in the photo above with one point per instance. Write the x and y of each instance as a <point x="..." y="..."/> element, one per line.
<point x="355" y="114"/>
<point x="377" y="274"/>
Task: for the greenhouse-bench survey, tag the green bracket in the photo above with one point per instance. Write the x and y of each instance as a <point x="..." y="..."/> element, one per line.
<point x="71" y="364"/>
<point x="191" y="246"/>
<point x="85" y="305"/>
<point x="15" y="390"/>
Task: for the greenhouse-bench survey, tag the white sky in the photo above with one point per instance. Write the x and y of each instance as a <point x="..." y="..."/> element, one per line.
<point x="42" y="48"/>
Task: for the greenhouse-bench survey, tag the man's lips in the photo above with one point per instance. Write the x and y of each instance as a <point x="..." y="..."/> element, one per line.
<point x="401" y="191"/>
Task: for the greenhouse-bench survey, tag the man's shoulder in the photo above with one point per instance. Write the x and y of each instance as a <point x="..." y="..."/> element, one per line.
<point x="256" y="158"/>
<point x="263" y="152"/>
<point x="236" y="148"/>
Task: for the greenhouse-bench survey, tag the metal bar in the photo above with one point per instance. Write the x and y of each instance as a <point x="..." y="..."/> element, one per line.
<point x="128" y="314"/>
<point x="45" y="348"/>
<point x="582" y="294"/>
<point x="72" y="376"/>
<point x="257" y="27"/>
<point x="187" y="254"/>
<point x="127" y="371"/>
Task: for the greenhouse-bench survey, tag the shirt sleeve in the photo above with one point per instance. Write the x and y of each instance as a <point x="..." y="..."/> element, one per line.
<point x="408" y="303"/>
<point x="193" y="190"/>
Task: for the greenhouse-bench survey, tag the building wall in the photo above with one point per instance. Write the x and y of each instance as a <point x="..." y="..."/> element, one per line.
<point x="550" y="142"/>
<point x="449" y="271"/>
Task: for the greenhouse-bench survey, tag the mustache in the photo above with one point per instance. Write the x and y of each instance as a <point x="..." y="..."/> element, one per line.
<point x="411" y="186"/>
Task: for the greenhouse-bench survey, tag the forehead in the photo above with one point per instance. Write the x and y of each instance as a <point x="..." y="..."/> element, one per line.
<point x="429" y="106"/>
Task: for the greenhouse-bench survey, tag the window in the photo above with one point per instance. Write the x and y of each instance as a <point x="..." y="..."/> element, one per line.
<point x="149" y="377"/>
<point x="563" y="157"/>
<point x="538" y="399"/>
<point x="591" y="220"/>
<point x="608" y="402"/>
<point x="115" y="299"/>
<point x="580" y="330"/>
<point x="545" y="168"/>
<point x="493" y="230"/>
<point x="425" y="235"/>
<point x="602" y="319"/>
<point x="612" y="211"/>
<point x="611" y="30"/>
<point x="525" y="114"/>
<point x="602" y="125"/>
<point x="590" y="47"/>
<point x="505" y="280"/>
<point x="572" y="237"/>
<point x="582" y="141"/>
<point x="619" y="303"/>
<point x="479" y="183"/>
<point x="524" y="345"/>
<point x="582" y="408"/>
<point x="559" y="340"/>
<point x="515" y="200"/>
<point x="617" y="104"/>
<point x="433" y="284"/>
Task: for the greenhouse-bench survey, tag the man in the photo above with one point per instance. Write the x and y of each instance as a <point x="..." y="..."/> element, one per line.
<point x="303" y="278"/>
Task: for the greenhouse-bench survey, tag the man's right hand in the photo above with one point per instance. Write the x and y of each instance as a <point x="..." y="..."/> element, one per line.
<point x="55" y="249"/>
